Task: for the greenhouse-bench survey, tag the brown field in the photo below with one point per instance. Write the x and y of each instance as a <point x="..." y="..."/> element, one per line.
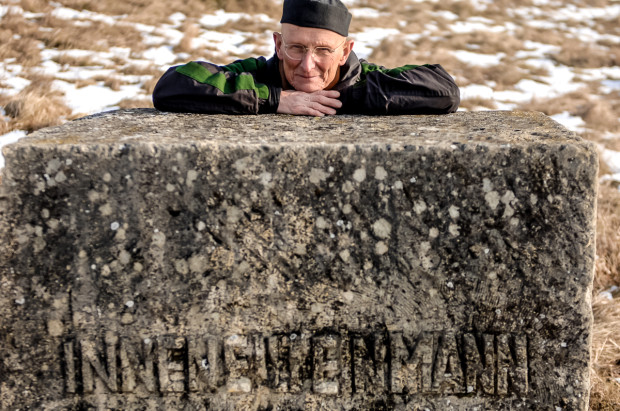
<point x="39" y="105"/>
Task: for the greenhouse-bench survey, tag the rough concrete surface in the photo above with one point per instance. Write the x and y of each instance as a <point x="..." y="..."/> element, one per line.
<point x="174" y="261"/>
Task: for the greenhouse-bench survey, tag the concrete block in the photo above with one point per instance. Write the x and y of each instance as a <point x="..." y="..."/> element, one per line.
<point x="174" y="261"/>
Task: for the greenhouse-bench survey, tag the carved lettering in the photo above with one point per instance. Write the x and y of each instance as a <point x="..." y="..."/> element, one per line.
<point x="326" y="354"/>
<point x="238" y="357"/>
<point x="448" y="370"/>
<point x="137" y="365"/>
<point x="412" y="363"/>
<point x="511" y="365"/>
<point x="206" y="364"/>
<point x="171" y="364"/>
<point x="69" y="367"/>
<point x="328" y="363"/>
<point x="103" y="365"/>
<point x="369" y="363"/>
<point x="479" y="364"/>
<point x="287" y="354"/>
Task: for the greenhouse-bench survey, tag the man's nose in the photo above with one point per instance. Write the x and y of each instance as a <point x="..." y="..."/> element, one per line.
<point x="307" y="61"/>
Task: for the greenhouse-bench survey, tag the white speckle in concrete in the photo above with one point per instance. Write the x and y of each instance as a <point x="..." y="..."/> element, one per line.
<point x="433" y="233"/>
<point x="380" y="173"/>
<point x="124" y="257"/>
<point x="105" y="209"/>
<point x="159" y="239"/>
<point x="233" y="215"/>
<point x="487" y="186"/>
<point x="413" y="180"/>
<point x="450" y="284"/>
<point x="419" y="207"/>
<point x="115" y="226"/>
<point x="192" y="175"/>
<point x="265" y="178"/>
<point x="347" y="187"/>
<point x="181" y="266"/>
<point x="52" y="166"/>
<point x="317" y="175"/>
<point x="60" y="177"/>
<point x="382" y="228"/>
<point x="20" y="301"/>
<point x="129" y="304"/>
<point x="201" y="226"/>
<point x="93" y="196"/>
<point x="508" y="197"/>
<point x="398" y="185"/>
<point x="454" y="212"/>
<point x="454" y="229"/>
<point x="492" y="198"/>
<point x="359" y="175"/>
<point x="381" y="248"/>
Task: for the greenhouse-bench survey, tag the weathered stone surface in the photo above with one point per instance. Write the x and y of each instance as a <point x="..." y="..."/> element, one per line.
<point x="169" y="261"/>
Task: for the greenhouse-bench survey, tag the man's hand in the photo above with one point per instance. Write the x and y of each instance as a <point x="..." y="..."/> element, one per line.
<point x="318" y="103"/>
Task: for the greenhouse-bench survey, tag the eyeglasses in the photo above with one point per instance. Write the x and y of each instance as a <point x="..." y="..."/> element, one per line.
<point x="298" y="51"/>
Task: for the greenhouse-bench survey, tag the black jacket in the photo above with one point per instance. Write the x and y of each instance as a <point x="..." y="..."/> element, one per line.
<point x="253" y="86"/>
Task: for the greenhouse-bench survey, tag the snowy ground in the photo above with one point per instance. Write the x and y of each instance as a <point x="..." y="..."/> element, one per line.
<point x="575" y="22"/>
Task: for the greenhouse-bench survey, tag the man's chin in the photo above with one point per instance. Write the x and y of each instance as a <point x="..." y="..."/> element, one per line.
<point x="308" y="85"/>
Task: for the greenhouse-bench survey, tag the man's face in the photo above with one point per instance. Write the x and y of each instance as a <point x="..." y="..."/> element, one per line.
<point x="311" y="73"/>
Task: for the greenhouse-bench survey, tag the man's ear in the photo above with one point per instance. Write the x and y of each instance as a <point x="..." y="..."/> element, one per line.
<point x="347" y="48"/>
<point x="277" y="39"/>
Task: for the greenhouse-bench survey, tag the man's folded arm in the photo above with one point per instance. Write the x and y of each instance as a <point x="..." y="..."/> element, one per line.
<point x="411" y="89"/>
<point x="200" y="87"/>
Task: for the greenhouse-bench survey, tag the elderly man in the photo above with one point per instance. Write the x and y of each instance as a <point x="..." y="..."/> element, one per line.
<point x="314" y="72"/>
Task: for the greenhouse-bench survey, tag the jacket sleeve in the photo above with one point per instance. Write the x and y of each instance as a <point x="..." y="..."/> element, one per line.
<point x="410" y="89"/>
<point x="200" y="87"/>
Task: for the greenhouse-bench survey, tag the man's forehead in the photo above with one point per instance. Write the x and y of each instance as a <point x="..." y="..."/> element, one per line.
<point x="309" y="35"/>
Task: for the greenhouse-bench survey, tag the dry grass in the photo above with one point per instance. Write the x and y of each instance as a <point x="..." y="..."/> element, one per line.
<point x="576" y="54"/>
<point x="68" y="60"/>
<point x="248" y="25"/>
<point x="98" y="36"/>
<point x="35" y="107"/>
<point x="605" y="389"/>
<point x="476" y="103"/>
<point x="573" y="102"/>
<point x="136" y="103"/>
<point x="190" y="32"/>
<point x="598" y="114"/>
<point x="268" y="7"/>
<point x="19" y="40"/>
<point x="605" y="370"/>
<point x="608" y="238"/>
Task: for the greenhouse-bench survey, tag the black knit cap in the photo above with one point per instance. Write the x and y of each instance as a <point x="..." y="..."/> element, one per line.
<point x="321" y="14"/>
